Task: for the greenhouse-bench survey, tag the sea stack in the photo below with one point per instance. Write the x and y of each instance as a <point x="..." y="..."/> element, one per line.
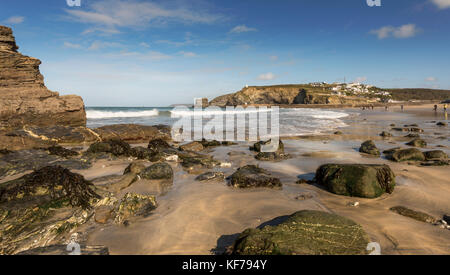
<point x="24" y="99"/>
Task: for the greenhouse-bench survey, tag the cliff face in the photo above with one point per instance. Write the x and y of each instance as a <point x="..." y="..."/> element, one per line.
<point x="24" y="99"/>
<point x="289" y="94"/>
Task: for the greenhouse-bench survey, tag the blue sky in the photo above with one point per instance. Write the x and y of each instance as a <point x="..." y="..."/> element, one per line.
<point x="156" y="53"/>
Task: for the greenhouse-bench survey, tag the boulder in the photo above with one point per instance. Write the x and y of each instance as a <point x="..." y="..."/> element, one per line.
<point x="24" y="99"/>
<point x="412" y="135"/>
<point x="48" y="184"/>
<point x="62" y="152"/>
<point x="194" y="146"/>
<point x="257" y="147"/>
<point x="304" y="233"/>
<point x="400" y="155"/>
<point x="252" y="176"/>
<point x="385" y="134"/>
<point x="419" y="216"/>
<point x="133" y="205"/>
<point x="210" y="143"/>
<point x="115" y="147"/>
<point x="141" y="153"/>
<point x="417" y="143"/>
<point x="369" y="147"/>
<point x="134" y="168"/>
<point x="211" y="176"/>
<point x="442" y="124"/>
<point x="194" y="162"/>
<point x="356" y="180"/>
<point x="435" y="155"/>
<point x="133" y="133"/>
<point x="158" y="171"/>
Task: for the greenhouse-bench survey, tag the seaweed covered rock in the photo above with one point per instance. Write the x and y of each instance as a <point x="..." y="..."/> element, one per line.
<point x="385" y="134"/>
<point x="419" y="216"/>
<point x="412" y="135"/>
<point x="356" y="180"/>
<point x="400" y="155"/>
<point x="194" y="146"/>
<point x="194" y="162"/>
<point x="435" y="155"/>
<point x="258" y="146"/>
<point x="210" y="143"/>
<point x="158" y="171"/>
<point x="305" y="233"/>
<point x="116" y="147"/>
<point x="369" y="147"/>
<point x="252" y="176"/>
<point x="133" y="205"/>
<point x="141" y="153"/>
<point x="62" y="152"/>
<point x="210" y="176"/>
<point x="48" y="184"/>
<point x="417" y="143"/>
<point x="157" y="145"/>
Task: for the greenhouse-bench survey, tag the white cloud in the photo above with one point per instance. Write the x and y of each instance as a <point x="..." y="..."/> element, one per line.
<point x="431" y="79"/>
<point x="110" y="15"/>
<point x="241" y="29"/>
<point x="188" y="54"/>
<point x="273" y="58"/>
<point x="72" y="45"/>
<point x="150" y="55"/>
<point x="97" y="45"/>
<point x="441" y="4"/>
<point x="15" y="20"/>
<point x="361" y="79"/>
<point x="267" y="76"/>
<point x="145" y="45"/>
<point x="405" y="31"/>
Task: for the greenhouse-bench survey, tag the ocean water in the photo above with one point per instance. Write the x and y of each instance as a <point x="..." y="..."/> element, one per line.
<point x="292" y="122"/>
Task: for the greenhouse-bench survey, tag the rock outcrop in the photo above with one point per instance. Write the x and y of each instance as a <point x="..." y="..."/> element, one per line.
<point x="24" y="99"/>
<point x="282" y="94"/>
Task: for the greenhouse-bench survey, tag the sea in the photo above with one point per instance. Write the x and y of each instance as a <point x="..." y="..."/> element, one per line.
<point x="292" y="121"/>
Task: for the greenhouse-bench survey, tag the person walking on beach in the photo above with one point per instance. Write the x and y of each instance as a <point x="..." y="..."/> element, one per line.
<point x="386" y="107"/>
<point x="435" y="108"/>
<point x="445" y="107"/>
<point x="402" y="107"/>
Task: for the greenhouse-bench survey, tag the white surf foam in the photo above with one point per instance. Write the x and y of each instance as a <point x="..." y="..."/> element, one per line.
<point x="92" y="114"/>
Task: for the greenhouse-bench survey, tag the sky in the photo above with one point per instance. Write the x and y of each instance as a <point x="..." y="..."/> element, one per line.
<point x="157" y="53"/>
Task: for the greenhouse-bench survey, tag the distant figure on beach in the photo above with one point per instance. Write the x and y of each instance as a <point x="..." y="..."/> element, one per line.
<point x="386" y="107"/>
<point x="435" y="108"/>
<point x="371" y="106"/>
<point x="402" y="107"/>
<point x="445" y="107"/>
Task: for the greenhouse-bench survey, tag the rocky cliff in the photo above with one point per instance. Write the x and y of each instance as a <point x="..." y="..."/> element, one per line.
<point x="283" y="94"/>
<point x="24" y="99"/>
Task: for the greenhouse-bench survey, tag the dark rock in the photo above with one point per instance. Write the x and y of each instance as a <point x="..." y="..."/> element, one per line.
<point x="62" y="152"/>
<point x="419" y="216"/>
<point x="441" y="124"/>
<point x="411" y="154"/>
<point x="115" y="147"/>
<point x="304" y="233"/>
<point x="369" y="147"/>
<point x="257" y="147"/>
<point x="158" y="145"/>
<point x="210" y="176"/>
<point x="356" y="180"/>
<point x="134" y="168"/>
<point x="386" y="134"/>
<point x="133" y="133"/>
<point x="158" y="171"/>
<point x="271" y="156"/>
<point x="210" y="143"/>
<point x="141" y="153"/>
<point x="446" y="218"/>
<point x="228" y="143"/>
<point x="415" y="129"/>
<point x="252" y="176"/>
<point x="48" y="184"/>
<point x="195" y="161"/>
<point x="133" y="205"/>
<point x="417" y="143"/>
<point x="435" y="155"/>
<point x="400" y="129"/>
<point x="413" y="136"/>
<point x="435" y="163"/>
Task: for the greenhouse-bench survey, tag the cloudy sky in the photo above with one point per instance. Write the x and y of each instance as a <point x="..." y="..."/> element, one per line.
<point x="156" y="53"/>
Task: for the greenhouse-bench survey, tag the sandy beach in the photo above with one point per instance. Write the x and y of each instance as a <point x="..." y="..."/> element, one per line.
<point x="204" y="218"/>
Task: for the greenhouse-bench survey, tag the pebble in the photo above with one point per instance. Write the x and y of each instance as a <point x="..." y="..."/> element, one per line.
<point x="355" y="204"/>
<point x="225" y="165"/>
<point x="173" y="158"/>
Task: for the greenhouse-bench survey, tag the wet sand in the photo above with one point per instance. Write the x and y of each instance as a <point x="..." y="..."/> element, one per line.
<point x="203" y="218"/>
